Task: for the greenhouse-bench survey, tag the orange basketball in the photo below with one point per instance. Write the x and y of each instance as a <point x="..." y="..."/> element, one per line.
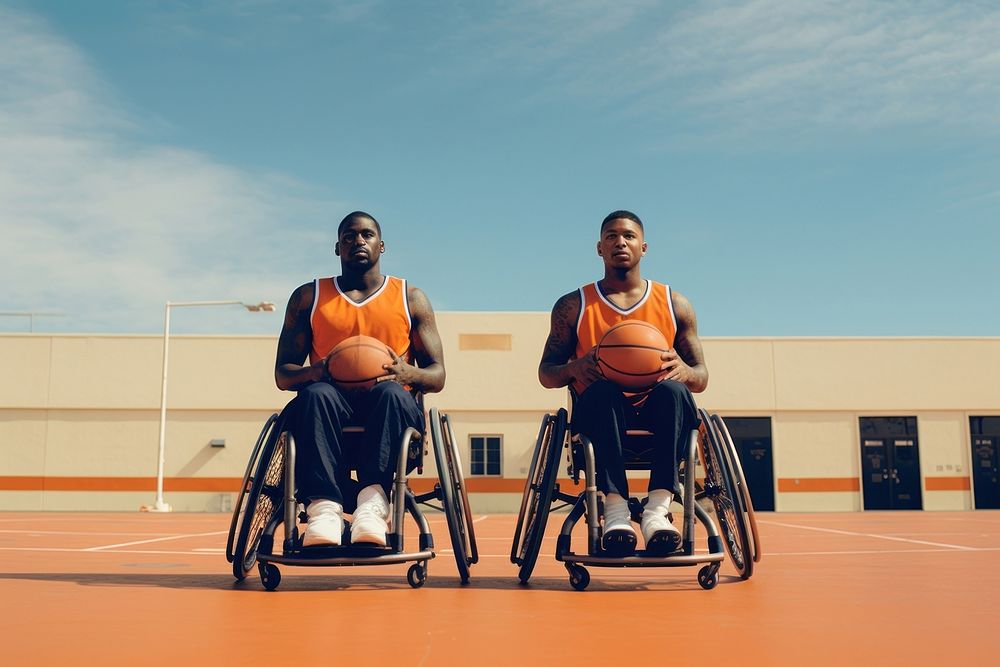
<point x="629" y="355"/>
<point x="356" y="362"/>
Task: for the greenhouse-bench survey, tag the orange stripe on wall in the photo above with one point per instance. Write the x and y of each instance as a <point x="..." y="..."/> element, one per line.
<point x="418" y="484"/>
<point x="817" y="484"/>
<point x="947" y="484"/>
<point x="477" y="484"/>
<point x="21" y="483"/>
<point x="216" y="484"/>
<point x="221" y="484"/>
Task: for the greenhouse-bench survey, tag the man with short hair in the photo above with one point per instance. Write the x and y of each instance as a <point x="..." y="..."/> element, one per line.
<point x="321" y="314"/>
<point x="603" y="411"/>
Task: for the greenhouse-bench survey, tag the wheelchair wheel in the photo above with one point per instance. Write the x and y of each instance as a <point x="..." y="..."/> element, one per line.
<point x="263" y="503"/>
<point x="454" y="496"/>
<point x="720" y="488"/>
<point x="538" y="490"/>
<point x="240" y="506"/>
<point x="579" y="578"/>
<point x="270" y="575"/>
<point x="416" y="576"/>
<point x="737" y="467"/>
<point x="708" y="577"/>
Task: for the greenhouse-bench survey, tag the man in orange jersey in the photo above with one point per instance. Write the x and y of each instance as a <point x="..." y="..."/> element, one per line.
<point x="602" y="411"/>
<point x="320" y="314"/>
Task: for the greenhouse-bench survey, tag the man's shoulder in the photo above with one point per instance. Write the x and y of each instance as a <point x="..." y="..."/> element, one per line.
<point x="309" y="287"/>
<point x="304" y="294"/>
<point x="411" y="289"/>
<point x="568" y="305"/>
<point x="417" y="301"/>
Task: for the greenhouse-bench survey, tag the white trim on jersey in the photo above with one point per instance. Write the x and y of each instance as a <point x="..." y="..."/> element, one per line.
<point x="583" y="307"/>
<point x="358" y="304"/>
<point x="312" y="312"/>
<point x="626" y="311"/>
<point x="670" y="307"/>
<point x="406" y="306"/>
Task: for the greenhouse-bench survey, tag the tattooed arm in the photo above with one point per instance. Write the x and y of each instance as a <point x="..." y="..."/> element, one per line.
<point x="686" y="362"/>
<point x="295" y="342"/>
<point x="427" y="374"/>
<point x="556" y="369"/>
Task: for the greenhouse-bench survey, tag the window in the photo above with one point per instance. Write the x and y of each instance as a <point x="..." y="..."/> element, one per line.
<point x="487" y="453"/>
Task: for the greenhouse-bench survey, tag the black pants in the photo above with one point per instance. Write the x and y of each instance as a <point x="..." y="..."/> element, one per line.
<point x="325" y="455"/>
<point x="603" y="414"/>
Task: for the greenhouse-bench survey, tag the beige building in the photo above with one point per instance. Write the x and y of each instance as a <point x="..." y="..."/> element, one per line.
<point x="821" y="423"/>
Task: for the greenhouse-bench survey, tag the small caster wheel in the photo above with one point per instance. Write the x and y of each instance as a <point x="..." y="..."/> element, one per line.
<point x="269" y="576"/>
<point x="416" y="576"/>
<point x="579" y="578"/>
<point x="708" y="577"/>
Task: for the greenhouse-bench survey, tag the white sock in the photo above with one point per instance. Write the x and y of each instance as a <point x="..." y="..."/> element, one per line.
<point x="659" y="501"/>
<point x="613" y="500"/>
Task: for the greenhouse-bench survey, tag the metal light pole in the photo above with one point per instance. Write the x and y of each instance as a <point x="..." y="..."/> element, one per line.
<point x="264" y="306"/>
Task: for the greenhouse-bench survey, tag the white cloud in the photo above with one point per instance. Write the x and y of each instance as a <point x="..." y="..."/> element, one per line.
<point x="763" y="65"/>
<point x="106" y="228"/>
<point x="853" y="64"/>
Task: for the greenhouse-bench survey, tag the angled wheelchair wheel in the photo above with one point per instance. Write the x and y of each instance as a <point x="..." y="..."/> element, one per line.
<point x="538" y="490"/>
<point x="454" y="497"/>
<point x="248" y="476"/>
<point x="262" y="505"/>
<point x="741" y="481"/>
<point x="721" y="489"/>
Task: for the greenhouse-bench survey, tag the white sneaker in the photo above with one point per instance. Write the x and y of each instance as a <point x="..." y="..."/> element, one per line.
<point x="619" y="535"/>
<point x="660" y="535"/>
<point x="325" y="524"/>
<point x="370" y="522"/>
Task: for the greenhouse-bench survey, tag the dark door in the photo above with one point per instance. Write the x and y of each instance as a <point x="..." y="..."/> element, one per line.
<point x="752" y="437"/>
<point x="905" y="474"/>
<point x="875" y="471"/>
<point x="985" y="473"/>
<point x="890" y="463"/>
<point x="985" y="460"/>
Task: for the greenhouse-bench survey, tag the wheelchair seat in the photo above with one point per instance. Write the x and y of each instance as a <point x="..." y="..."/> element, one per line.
<point x="267" y="499"/>
<point x="721" y="486"/>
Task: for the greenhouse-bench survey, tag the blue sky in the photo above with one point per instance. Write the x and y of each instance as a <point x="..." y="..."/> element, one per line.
<point x="803" y="167"/>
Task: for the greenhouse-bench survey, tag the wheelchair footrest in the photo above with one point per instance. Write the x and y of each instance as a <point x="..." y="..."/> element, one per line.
<point x="351" y="555"/>
<point x="641" y="559"/>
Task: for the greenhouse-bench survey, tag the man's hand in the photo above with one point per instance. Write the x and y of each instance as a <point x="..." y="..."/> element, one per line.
<point x="399" y="371"/>
<point x="676" y="368"/>
<point x="585" y="368"/>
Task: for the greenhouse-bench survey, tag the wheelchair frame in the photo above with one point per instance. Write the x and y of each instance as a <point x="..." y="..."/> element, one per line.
<point x="267" y="499"/>
<point x="724" y="486"/>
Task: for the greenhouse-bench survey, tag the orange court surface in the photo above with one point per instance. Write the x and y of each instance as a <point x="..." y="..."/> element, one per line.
<point x="873" y="588"/>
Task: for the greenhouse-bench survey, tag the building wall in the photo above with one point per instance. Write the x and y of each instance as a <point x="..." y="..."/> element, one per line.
<point x="79" y="414"/>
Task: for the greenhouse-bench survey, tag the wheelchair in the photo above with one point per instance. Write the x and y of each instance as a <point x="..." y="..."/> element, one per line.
<point x="267" y="499"/>
<point x="717" y="483"/>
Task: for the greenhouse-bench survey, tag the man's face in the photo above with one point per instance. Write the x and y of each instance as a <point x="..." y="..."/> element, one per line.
<point x="359" y="244"/>
<point x="621" y="245"/>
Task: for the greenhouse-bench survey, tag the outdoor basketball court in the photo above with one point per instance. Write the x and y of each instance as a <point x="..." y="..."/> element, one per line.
<point x="148" y="589"/>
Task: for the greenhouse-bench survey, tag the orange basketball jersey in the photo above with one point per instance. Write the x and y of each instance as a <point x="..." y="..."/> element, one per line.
<point x="384" y="314"/>
<point x="598" y="314"/>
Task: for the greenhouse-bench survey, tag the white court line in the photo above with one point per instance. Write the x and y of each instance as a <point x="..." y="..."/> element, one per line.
<point x="894" y="552"/>
<point x="552" y="555"/>
<point x="26" y="531"/>
<point x="881" y="537"/>
<point x="882" y="551"/>
<point x="482" y="518"/>
<point x="156" y="539"/>
<point x="127" y="552"/>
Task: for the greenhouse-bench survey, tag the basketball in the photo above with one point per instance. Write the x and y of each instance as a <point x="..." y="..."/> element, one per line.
<point x="356" y="362"/>
<point x="629" y="355"/>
